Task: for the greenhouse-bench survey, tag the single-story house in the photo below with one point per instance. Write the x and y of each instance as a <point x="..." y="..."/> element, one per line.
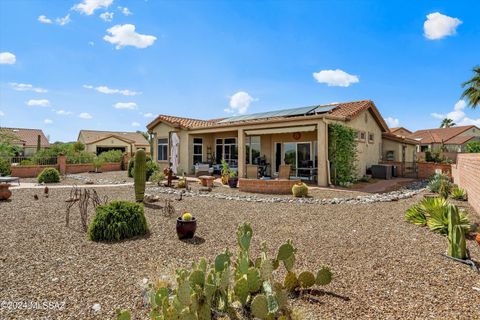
<point x="451" y="139"/>
<point x="298" y="137"/>
<point x="400" y="131"/>
<point x="398" y="148"/>
<point x="28" y="139"/>
<point x="101" y="141"/>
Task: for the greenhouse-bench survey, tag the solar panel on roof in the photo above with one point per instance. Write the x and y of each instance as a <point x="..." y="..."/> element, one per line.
<point x="281" y="113"/>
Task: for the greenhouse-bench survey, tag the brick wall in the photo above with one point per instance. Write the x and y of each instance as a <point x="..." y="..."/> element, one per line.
<point x="427" y="169"/>
<point x="86" y="167"/>
<point x="466" y="174"/>
<point x="266" y="186"/>
<point x="29" y="171"/>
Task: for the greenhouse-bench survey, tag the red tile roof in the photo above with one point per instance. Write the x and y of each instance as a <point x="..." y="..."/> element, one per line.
<point x="459" y="139"/>
<point x="28" y="137"/>
<point x="439" y="135"/>
<point x="91" y="136"/>
<point x="394" y="137"/>
<point x="343" y="110"/>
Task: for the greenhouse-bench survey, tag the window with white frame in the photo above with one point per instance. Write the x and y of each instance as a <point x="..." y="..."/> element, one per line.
<point x="162" y="154"/>
<point x="197" y="150"/>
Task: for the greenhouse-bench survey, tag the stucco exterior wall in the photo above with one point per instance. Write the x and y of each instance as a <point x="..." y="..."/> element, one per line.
<point x="396" y="147"/>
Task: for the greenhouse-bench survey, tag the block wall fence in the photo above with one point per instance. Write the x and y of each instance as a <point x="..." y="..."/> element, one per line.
<point x="65" y="168"/>
<point x="466" y="173"/>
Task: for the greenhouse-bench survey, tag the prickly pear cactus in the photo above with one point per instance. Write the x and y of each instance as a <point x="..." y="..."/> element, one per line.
<point x="291" y="282"/>
<point x="306" y="279"/>
<point x="259" y="306"/>
<point x="324" y="276"/>
<point x="241" y="289"/>
<point x="140" y="174"/>
<point x="253" y="278"/>
<point x="244" y="236"/>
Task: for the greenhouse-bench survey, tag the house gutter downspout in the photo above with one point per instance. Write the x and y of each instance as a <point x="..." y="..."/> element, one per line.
<point x="326" y="151"/>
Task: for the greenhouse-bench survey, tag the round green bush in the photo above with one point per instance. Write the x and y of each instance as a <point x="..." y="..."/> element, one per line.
<point x="300" y="190"/>
<point x="5" y="168"/>
<point x="49" y="175"/>
<point x="26" y="162"/>
<point x="118" y="220"/>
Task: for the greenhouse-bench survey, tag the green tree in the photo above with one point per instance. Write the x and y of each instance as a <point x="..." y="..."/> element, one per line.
<point x="447" y="123"/>
<point x="472" y="89"/>
<point x="473" y="147"/>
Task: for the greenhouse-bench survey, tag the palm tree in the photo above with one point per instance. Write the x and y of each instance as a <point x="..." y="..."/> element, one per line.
<point x="472" y="91"/>
<point x="447" y="123"/>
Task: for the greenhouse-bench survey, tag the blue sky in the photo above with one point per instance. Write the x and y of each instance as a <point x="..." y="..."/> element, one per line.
<point x="92" y="64"/>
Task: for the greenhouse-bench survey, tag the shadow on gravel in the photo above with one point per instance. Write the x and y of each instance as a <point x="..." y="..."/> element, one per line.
<point x="195" y="241"/>
<point x="312" y="296"/>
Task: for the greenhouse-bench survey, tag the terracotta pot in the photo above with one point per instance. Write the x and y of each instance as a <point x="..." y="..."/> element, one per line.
<point x="5" y="193"/>
<point x="186" y="229"/>
<point x="477" y="238"/>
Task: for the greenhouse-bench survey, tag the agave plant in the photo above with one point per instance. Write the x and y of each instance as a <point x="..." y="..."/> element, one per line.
<point x="440" y="183"/>
<point x="438" y="213"/>
<point x="416" y="214"/>
<point x="459" y="193"/>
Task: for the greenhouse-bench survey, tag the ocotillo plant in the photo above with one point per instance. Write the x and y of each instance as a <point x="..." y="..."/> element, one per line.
<point x="456" y="235"/>
<point x="140" y="174"/>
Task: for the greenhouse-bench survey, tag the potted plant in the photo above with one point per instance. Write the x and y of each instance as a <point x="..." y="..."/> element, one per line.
<point x="232" y="179"/>
<point x="186" y="226"/>
<point x="225" y="172"/>
<point x="5" y="193"/>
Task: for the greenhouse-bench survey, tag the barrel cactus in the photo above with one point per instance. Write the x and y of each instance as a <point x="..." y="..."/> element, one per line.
<point x="140" y="174"/>
<point x="300" y="190"/>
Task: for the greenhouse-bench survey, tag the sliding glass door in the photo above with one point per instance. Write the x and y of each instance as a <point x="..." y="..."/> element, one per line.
<point x="300" y="156"/>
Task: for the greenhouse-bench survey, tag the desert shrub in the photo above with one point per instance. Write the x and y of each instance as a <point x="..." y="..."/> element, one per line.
<point x="117" y="220"/>
<point x="473" y="147"/>
<point x="157" y="177"/>
<point x="98" y="162"/>
<point x="300" y="190"/>
<point x="440" y="183"/>
<point x="112" y="156"/>
<point x="458" y="193"/>
<point x="80" y="157"/>
<point x="49" y="175"/>
<point x="5" y="167"/>
<point x="78" y="146"/>
<point x="26" y="162"/>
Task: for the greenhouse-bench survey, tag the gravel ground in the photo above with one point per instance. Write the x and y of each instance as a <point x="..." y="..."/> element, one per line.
<point x="109" y="177"/>
<point x="384" y="267"/>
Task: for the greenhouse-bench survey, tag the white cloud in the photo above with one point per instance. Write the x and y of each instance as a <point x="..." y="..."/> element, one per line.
<point x="47" y="121"/>
<point x="335" y="78"/>
<point x="63" y="112"/>
<point x="148" y="115"/>
<point x="26" y="87"/>
<point x="240" y="102"/>
<point x="125" y="35"/>
<point x="91" y="43"/>
<point x="38" y="103"/>
<point x="392" y="122"/>
<point x="88" y="7"/>
<point x="457" y="115"/>
<point x="2" y="114"/>
<point x="438" y="26"/>
<point x="63" y="21"/>
<point x="44" y="19"/>
<point x="7" y="58"/>
<point x="107" y="16"/>
<point x="125" y="11"/>
<point x="85" y="115"/>
<point x="107" y="90"/>
<point x="135" y="124"/>
<point x="125" y="105"/>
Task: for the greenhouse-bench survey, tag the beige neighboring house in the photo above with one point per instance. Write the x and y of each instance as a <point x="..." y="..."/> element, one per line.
<point x="451" y="139"/>
<point x="28" y="139"/>
<point x="101" y="141"/>
<point x="401" y="131"/>
<point x="298" y="137"/>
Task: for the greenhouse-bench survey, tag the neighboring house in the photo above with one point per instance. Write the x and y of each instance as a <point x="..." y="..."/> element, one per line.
<point x="101" y="141"/>
<point x="298" y="137"/>
<point x="28" y="139"/>
<point x="400" y="131"/>
<point x="451" y="139"/>
<point x="398" y="148"/>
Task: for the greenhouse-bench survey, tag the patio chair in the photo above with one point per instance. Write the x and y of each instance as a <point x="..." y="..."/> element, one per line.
<point x="284" y="171"/>
<point x="252" y="171"/>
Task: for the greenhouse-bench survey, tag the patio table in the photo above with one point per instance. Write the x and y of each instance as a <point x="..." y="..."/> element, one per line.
<point x="9" y="179"/>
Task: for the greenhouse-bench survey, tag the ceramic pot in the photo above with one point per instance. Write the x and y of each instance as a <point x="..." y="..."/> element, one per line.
<point x="477" y="238"/>
<point x="232" y="182"/>
<point x="186" y="229"/>
<point x="5" y="193"/>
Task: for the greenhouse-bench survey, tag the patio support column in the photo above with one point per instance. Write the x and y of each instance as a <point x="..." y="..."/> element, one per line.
<point x="241" y="153"/>
<point x="322" y="156"/>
